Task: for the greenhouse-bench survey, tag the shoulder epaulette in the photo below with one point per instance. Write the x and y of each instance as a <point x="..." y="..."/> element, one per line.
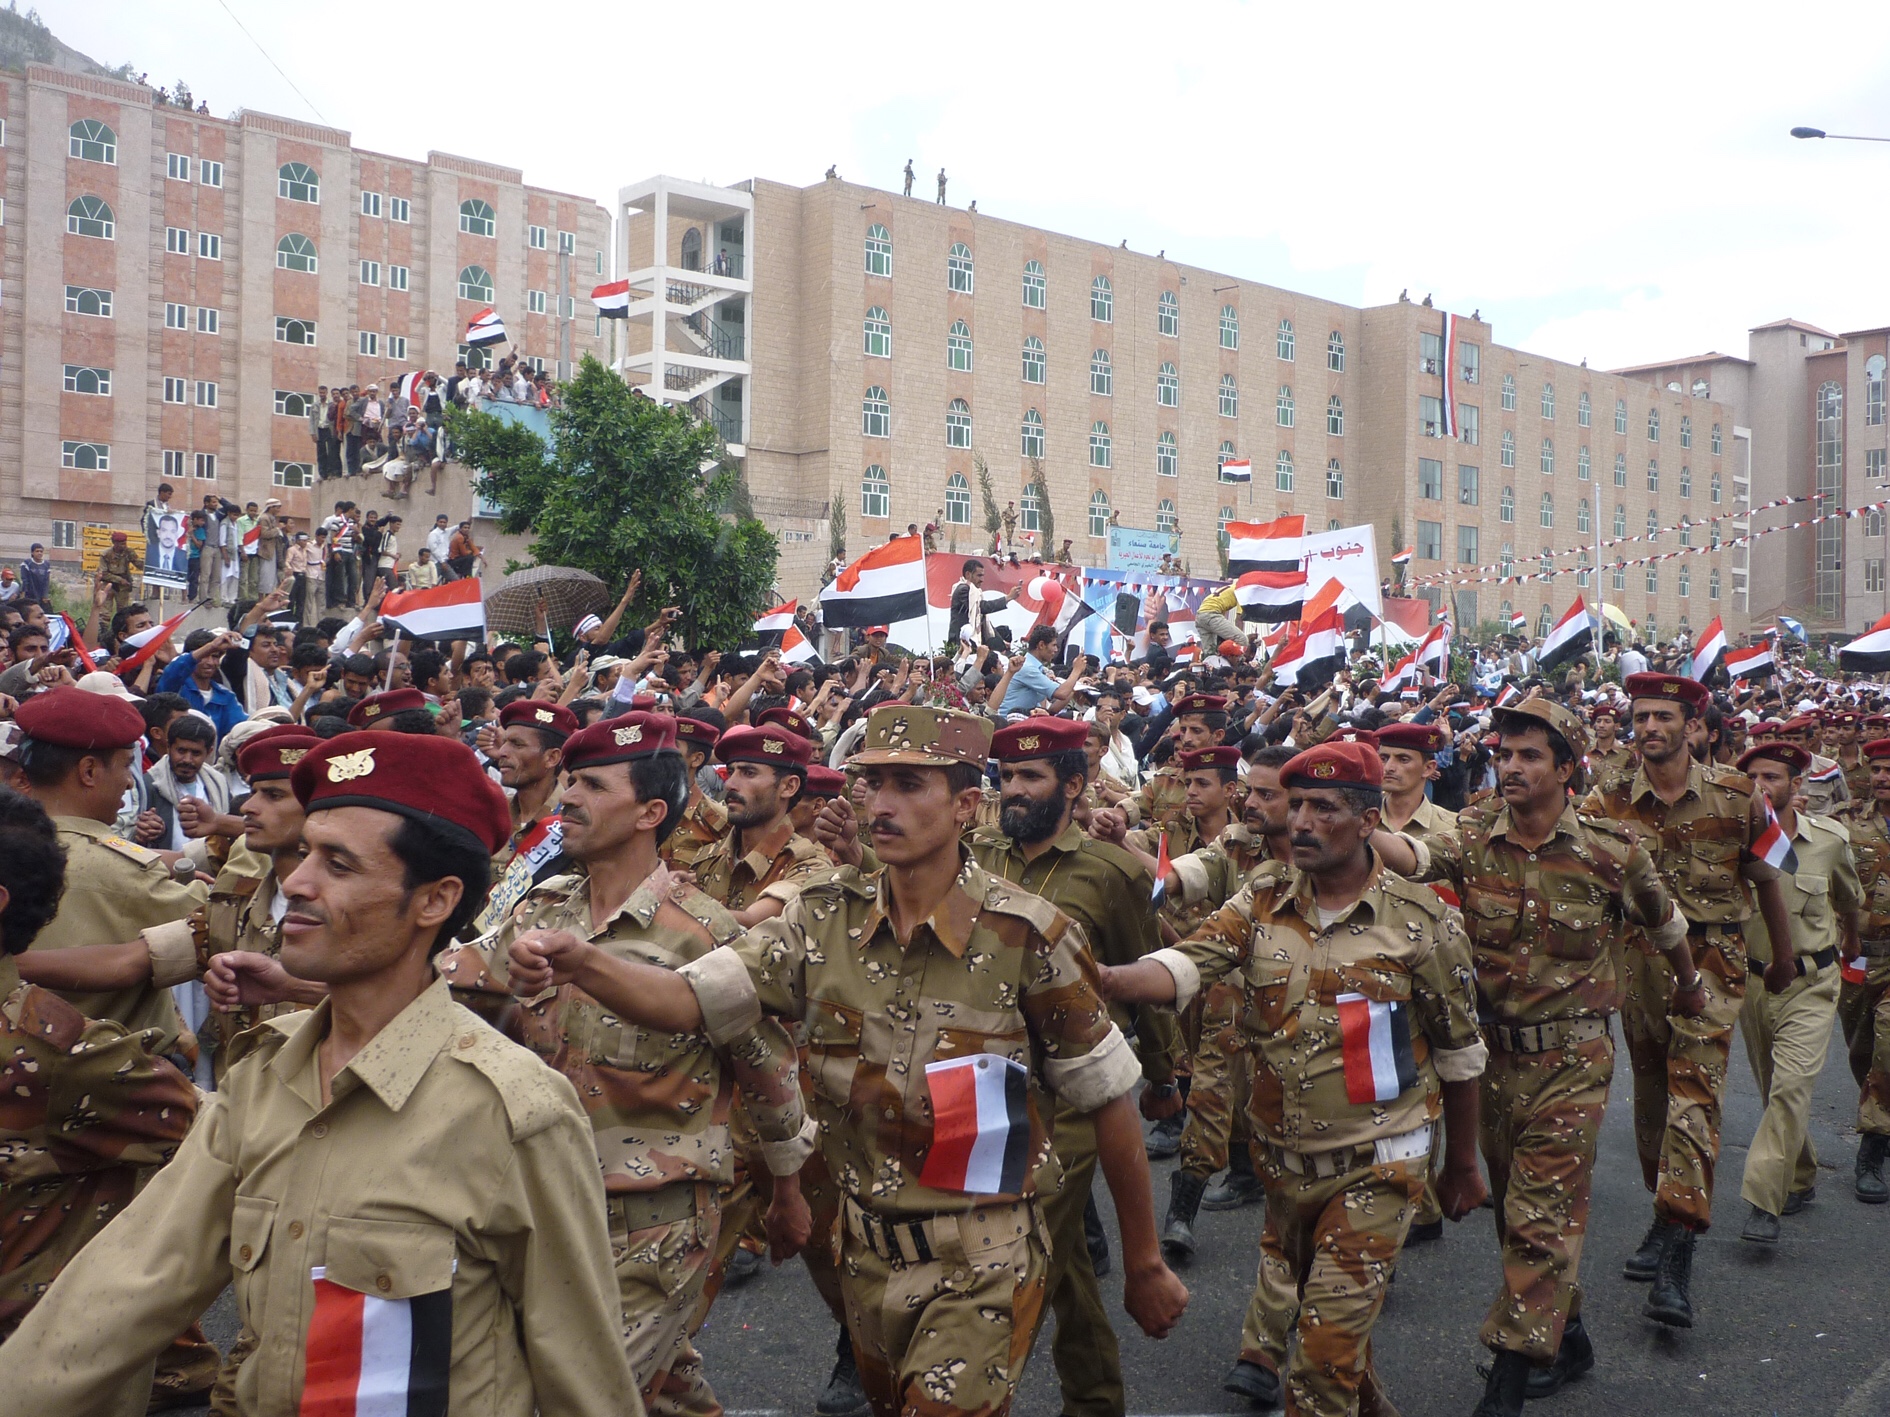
<point x="128" y="849"/>
<point x="525" y="1085"/>
<point x="1829" y="824"/>
<point x="1422" y="896"/>
<point x="1008" y="899"/>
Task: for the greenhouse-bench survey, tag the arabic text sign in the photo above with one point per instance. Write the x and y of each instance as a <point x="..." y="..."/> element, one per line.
<point x="1133" y="549"/>
<point x="1349" y="556"/>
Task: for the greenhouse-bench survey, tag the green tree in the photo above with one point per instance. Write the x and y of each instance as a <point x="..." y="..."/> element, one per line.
<point x="991" y="517"/>
<point x="627" y="484"/>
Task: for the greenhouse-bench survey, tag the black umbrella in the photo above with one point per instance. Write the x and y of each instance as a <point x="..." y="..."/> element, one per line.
<point x="569" y="595"/>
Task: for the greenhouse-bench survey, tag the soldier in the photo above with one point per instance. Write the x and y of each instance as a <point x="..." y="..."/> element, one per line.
<point x="1162" y="802"/>
<point x="933" y="994"/>
<point x="1545" y="893"/>
<point x="823" y="785"/>
<point x="386" y="1143"/>
<point x="1864" y="997"/>
<point x="1699" y="824"/>
<point x="705" y="821"/>
<point x="1825" y="788"/>
<point x="1358" y="985"/>
<point x="1608" y="757"/>
<point x="117" y="570"/>
<point x="1788" y="1035"/>
<point x="529" y="755"/>
<point x="1847" y="724"/>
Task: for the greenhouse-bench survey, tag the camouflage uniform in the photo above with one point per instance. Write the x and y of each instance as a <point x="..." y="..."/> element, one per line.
<point x="241" y="916"/>
<point x="702" y="825"/>
<point x="1342" y="1177"/>
<point x="659" y="1110"/>
<point x="1864" y="1004"/>
<point x="117" y="569"/>
<point x="1605" y="767"/>
<point x="1856" y="776"/>
<point x="1825" y="788"/>
<point x="1162" y="802"/>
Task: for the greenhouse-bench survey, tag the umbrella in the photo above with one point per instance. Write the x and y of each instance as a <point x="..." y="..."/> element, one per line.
<point x="569" y="595"/>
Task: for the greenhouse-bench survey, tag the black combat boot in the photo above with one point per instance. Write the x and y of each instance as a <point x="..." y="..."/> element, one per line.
<point x="1506" y="1387"/>
<point x="1644" y="1261"/>
<point x="1260" y="1386"/>
<point x="1164" y="1138"/>
<point x="1184" y="1200"/>
<point x="843" y="1396"/>
<point x="1871" y="1147"/>
<point x="1669" y="1301"/>
<point x="1238" y="1187"/>
<point x="1575" y="1357"/>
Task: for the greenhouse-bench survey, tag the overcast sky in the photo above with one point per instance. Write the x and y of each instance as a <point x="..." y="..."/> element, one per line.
<point x="1609" y="182"/>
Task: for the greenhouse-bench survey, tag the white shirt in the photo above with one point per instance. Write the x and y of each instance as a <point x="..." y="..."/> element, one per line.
<point x="1632" y="662"/>
<point x="439" y="542"/>
<point x="193" y="788"/>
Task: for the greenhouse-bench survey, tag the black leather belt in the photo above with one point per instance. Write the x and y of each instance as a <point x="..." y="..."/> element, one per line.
<point x="1824" y="959"/>
<point x="1726" y="930"/>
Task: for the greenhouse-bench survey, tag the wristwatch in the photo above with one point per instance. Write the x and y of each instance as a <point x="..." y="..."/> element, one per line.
<point x="1162" y="1091"/>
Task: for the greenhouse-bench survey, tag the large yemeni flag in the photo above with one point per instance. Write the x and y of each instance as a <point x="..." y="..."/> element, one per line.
<point x="1310" y="655"/>
<point x="1869" y="652"/>
<point x="486" y="328"/>
<point x="1707" y="650"/>
<point x="795" y="648"/>
<point x="1265" y="546"/>
<point x="779" y="618"/>
<point x="980" y="1125"/>
<point x="1751" y="663"/>
<point x="1237" y="470"/>
<point x="1570" y="638"/>
<point x="1271" y="596"/>
<point x="1432" y="652"/>
<point x="453" y="611"/>
<point x="884" y="585"/>
<point x="370" y="1357"/>
<point x="147" y="642"/>
<point x="1375" y="1038"/>
<point x="612" y="299"/>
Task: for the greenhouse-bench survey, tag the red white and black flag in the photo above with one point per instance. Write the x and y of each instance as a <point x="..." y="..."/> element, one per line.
<point x="1265" y="546"/>
<point x="612" y="299"/>
<point x="1707" y="650"/>
<point x="1869" y="652"/>
<point x="1751" y="663"/>
<point x="369" y="1357"/>
<point x="1375" y="1039"/>
<point x="884" y="585"/>
<point x="454" y="611"/>
<point x="486" y="328"/>
<point x="1311" y="655"/>
<point x="1569" y="639"/>
<point x="1271" y="597"/>
<point x="980" y="1125"/>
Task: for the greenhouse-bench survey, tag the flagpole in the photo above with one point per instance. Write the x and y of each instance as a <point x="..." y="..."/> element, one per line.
<point x="392" y="651"/>
<point x="1601" y="596"/>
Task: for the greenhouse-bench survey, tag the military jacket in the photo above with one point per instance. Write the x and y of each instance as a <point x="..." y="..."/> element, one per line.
<point x="1824" y="889"/>
<point x="1162" y="801"/>
<point x="1857" y="777"/>
<point x="1870" y="849"/>
<point x="1826" y="788"/>
<point x="1429" y="823"/>
<point x="241" y="916"/>
<point x="777" y="869"/>
<point x="1211" y="874"/>
<point x="702" y="825"/>
<point x="1603" y="768"/>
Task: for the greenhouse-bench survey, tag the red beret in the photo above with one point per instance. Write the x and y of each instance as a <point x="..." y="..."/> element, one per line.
<point x="1790" y="754"/>
<point x="434" y="780"/>
<point x="1877" y="748"/>
<point x="1604" y="708"/>
<point x="824" y="782"/>
<point x="696" y="733"/>
<point x="1846" y="719"/>
<point x="376" y="707"/>
<point x="536" y="713"/>
<point x="1037" y="738"/>
<point x="646" y="702"/>
<point x="1804" y="723"/>
<point x="1417" y="737"/>
<point x="619" y="740"/>
<point x="1877" y="720"/>
<point x="1203" y="758"/>
<point x="120" y="536"/>
<point x="1335" y="765"/>
<point x="772" y="745"/>
<point x="1201" y="703"/>
<point x="789" y="719"/>
<point x="275" y="751"/>
<point x="1675" y="688"/>
<point x="73" y="718"/>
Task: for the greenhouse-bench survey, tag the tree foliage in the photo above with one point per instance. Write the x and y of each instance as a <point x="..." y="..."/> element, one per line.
<point x="623" y="487"/>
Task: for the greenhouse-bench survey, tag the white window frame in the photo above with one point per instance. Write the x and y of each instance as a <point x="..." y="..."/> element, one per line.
<point x="1285" y="342"/>
<point x="177" y="167"/>
<point x="367" y="343"/>
<point x="209" y="320"/>
<point x="204" y="467"/>
<point x="209" y="246"/>
<point x="283" y="324"/>
<point x="279" y="474"/>
<point x="1168" y="386"/>
<point x="65" y="534"/>
<point x="1102" y="444"/>
<point x="567" y="243"/>
<point x="177" y="241"/>
<point x="536" y="302"/>
<point x="175" y="464"/>
<point x="311" y="185"/>
<point x="875" y="492"/>
<point x="958" y="424"/>
<point x="282" y="398"/>
<point x="370" y="204"/>
<point x="399" y="277"/>
<point x="399" y="209"/>
<point x="397" y="347"/>
<point x="958" y="347"/>
<point x="959" y="269"/>
<point x="205" y="393"/>
<point x="101" y="378"/>
<point x="176" y="390"/>
<point x="1168" y="315"/>
<point x="1033" y="347"/>
<point x="1102" y="301"/>
<point x="69" y="454"/>
<point x="209" y="172"/>
<point x="176" y="317"/>
<point x="876" y="333"/>
<point x="476" y="222"/>
<point x="370" y="273"/>
<point x="537" y="237"/>
<point x="75" y="297"/>
<point x="1102" y="374"/>
<point x="1035" y="285"/>
<point x="1167" y="456"/>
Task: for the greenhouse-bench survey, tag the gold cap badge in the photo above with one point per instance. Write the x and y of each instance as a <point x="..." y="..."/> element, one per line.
<point x="348" y="766"/>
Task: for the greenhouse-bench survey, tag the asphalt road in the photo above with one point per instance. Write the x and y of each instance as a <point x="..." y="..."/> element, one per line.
<point x="1797" y="1330"/>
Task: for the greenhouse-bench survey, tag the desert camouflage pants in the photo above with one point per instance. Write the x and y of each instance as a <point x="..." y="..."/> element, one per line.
<point x="1788" y="1038"/>
<point x="1332" y="1242"/>
<point x="1540" y="1128"/>
<point x="948" y="1335"/>
<point x="1680" y="1076"/>
<point x="1864" y="1010"/>
<point x="1221" y="1085"/>
<point x="661" y="1272"/>
<point x="1087" y="1356"/>
<point x="1273" y="1308"/>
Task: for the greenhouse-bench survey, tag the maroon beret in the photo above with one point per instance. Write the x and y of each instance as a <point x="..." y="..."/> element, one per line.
<point x="1790" y="754"/>
<point x="434" y="780"/>
<point x="536" y="713"/>
<point x="645" y="702"/>
<point x="1415" y="737"/>
<point x="1037" y="738"/>
<point x="1335" y="765"/>
<point x="772" y="745"/>
<point x="620" y="740"/>
<point x="1848" y="718"/>
<point x="1201" y="703"/>
<point x="275" y="751"/>
<point x="790" y="719"/>
<point x="73" y="718"/>
<point x="696" y="733"/>
<point x="824" y="782"/>
<point x="1674" y="688"/>
<point x="1877" y="748"/>
<point x="376" y="707"/>
<point x="1877" y="720"/>
<point x="1804" y="723"/>
<point x="1202" y="758"/>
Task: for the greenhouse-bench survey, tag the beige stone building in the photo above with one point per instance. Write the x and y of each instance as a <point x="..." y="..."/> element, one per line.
<point x="864" y="350"/>
<point x="177" y="285"/>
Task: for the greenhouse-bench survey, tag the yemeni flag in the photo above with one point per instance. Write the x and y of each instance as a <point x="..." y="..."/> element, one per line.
<point x="62" y="633"/>
<point x="612" y="299"/>
<point x="1265" y="546"/>
<point x="147" y="642"/>
<point x="980" y="1126"/>
<point x="1432" y="652"/>
<point x="1311" y="655"/>
<point x="369" y="1356"/>
<point x="1518" y="623"/>
<point x="1751" y="663"/>
<point x="410" y="388"/>
<point x="1237" y="470"/>
<point x="1854" y="971"/>
<point x="1773" y="847"/>
<point x="1449" y="400"/>
<point x="884" y="585"/>
<point x="252" y="540"/>
<point x="454" y="611"/>
<point x="486" y="328"/>
<point x="1509" y="695"/>
<point x="1707" y="650"/>
<point x="540" y="856"/>
<point x="1161" y="871"/>
<point x="1869" y="652"/>
<point x="1830" y="774"/>
<point x="1375" y="1038"/>
<point x="795" y="648"/>
<point x="1271" y="596"/>
<point x="1570" y="638"/>
<point x="1403" y="558"/>
<point x="777" y="619"/>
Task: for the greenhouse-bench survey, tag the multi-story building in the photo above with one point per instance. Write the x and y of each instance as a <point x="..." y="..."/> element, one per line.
<point x="885" y="347"/>
<point x="180" y="284"/>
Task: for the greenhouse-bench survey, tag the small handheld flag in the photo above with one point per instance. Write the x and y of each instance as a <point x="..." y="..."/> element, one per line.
<point x="980" y="1125"/>
<point x="1161" y="871"/>
<point x="1773" y="847"/>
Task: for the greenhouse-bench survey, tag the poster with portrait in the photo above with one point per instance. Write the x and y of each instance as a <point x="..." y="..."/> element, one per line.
<point x="166" y="548"/>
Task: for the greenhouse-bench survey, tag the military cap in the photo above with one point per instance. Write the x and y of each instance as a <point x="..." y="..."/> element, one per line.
<point x="1674" y="688"/>
<point x="696" y="733"/>
<point x="1844" y="718"/>
<point x="925" y="737"/>
<point x="1607" y="707"/>
<point x="1790" y="754"/>
<point x="1766" y="728"/>
<point x="376" y="707"/>
<point x="1877" y="720"/>
<point x="772" y="745"/>
<point x="620" y="740"/>
<point x="1037" y="737"/>
<point x="1415" y="737"/>
<point x="1877" y="748"/>
<point x="644" y="702"/>
<point x="74" y="718"/>
<point x="433" y="780"/>
<point x="1559" y="719"/>
<point x="791" y="719"/>
<point x="275" y="751"/>
<point x="1201" y="703"/>
<point x="536" y="713"/>
<point x="1203" y="758"/>
<point x="120" y="536"/>
<point x="823" y="782"/>
<point x="1804" y="723"/>
<point x="1335" y="765"/>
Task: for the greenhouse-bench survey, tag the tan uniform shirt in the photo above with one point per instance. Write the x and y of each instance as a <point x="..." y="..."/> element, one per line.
<point x="1429" y="823"/>
<point x="1825" y="788"/>
<point x="776" y="868"/>
<point x="1870" y="847"/>
<point x="448" y="1159"/>
<point x="1604" y="767"/>
<point x="1823" y="891"/>
<point x="702" y="825"/>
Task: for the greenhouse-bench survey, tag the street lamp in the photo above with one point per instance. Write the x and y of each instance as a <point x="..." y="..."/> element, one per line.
<point x="1802" y="132"/>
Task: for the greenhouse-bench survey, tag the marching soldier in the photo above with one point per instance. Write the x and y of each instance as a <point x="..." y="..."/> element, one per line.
<point x="1162" y="801"/>
<point x="1850" y="754"/>
<point x="705" y="821"/>
<point x="1608" y="757"/>
<point x="529" y="755"/>
<point x="1826" y="788"/>
<point x="1864" y="997"/>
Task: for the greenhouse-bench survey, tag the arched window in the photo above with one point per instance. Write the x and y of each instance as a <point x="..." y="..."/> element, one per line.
<point x="1102" y="300"/>
<point x="83" y="300"/>
<point x="1686" y="481"/>
<point x="1099" y="513"/>
<point x="90" y="216"/>
<point x="875" y="493"/>
<point x="1581" y="569"/>
<point x="878" y="251"/>
<point x="81" y="379"/>
<point x="1221" y="459"/>
<point x="1653" y="525"/>
<point x="1030" y="508"/>
<point x="1717" y="448"/>
<point x="957" y="500"/>
<point x="1829" y="413"/>
<point x="1167" y="456"/>
<point x="1584" y="410"/>
<point x="1102" y="379"/>
<point x="1582" y="464"/>
<point x="876" y="414"/>
<point x="1548" y="456"/>
<point x="1653" y="474"/>
<point x="1165" y="516"/>
<point x="1506" y="565"/>
<point x="476" y="218"/>
<point x="292" y="405"/>
<point x="1335" y="480"/>
<point x="1168" y="315"/>
<point x="1100" y="446"/>
<point x="1283" y="340"/>
<point x="958" y="347"/>
<point x="1545" y="621"/>
<point x="1221" y="520"/>
<point x="475" y="283"/>
<point x="1712" y="530"/>
<point x="87" y="457"/>
<point x="1686" y="431"/>
<point x="1283" y="471"/>
<point x="1873" y="393"/>
<point x="1581" y="515"/>
<point x="1620" y="415"/>
<point x="297" y="182"/>
<point x="295" y="252"/>
<point x="1548" y="509"/>
<point x="692" y="249"/>
<point x="1548" y="400"/>
<point x="1033" y="360"/>
<point x="1033" y="285"/>
<point x="91" y="141"/>
<point x="877" y="333"/>
<point x="1030" y="441"/>
<point x="1712" y="489"/>
<point x="1230" y="399"/>
<point x="292" y="331"/>
<point x="1509" y="393"/>
<point x="1506" y="505"/>
<point x="1686" y="532"/>
<point x="1620" y="469"/>
<point x="958" y="268"/>
<point x="1653" y="588"/>
<point x="1335" y="351"/>
<point x="1335" y="416"/>
<point x="1509" y="448"/>
<point x="1167" y="386"/>
<point x="1712" y="584"/>
<point x="1282" y="403"/>
<point x="1653" y="425"/>
<point x="958" y="424"/>
<point x="1230" y="327"/>
<point x="1620" y="520"/>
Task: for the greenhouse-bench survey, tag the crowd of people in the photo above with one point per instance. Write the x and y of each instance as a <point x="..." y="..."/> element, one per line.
<point x="534" y="991"/>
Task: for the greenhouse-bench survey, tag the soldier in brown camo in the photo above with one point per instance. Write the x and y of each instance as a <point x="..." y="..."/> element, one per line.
<point x="906" y="978"/>
<point x="1850" y="753"/>
<point x="1864" y="996"/>
<point x="705" y="821"/>
<point x="1162" y="802"/>
<point x="1608" y="757"/>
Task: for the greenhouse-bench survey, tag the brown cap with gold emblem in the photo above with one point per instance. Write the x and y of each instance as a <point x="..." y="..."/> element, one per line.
<point x="1037" y="738"/>
<point x="436" y="781"/>
<point x="536" y="713"/>
<point x="620" y="740"/>
<point x="1335" y="765"/>
<point x="1416" y="737"/>
<point x="1676" y="688"/>
<point x="386" y="704"/>
<point x="275" y="751"/>
<point x="1560" y="720"/>
<point x="924" y="737"/>
<point x="771" y="744"/>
